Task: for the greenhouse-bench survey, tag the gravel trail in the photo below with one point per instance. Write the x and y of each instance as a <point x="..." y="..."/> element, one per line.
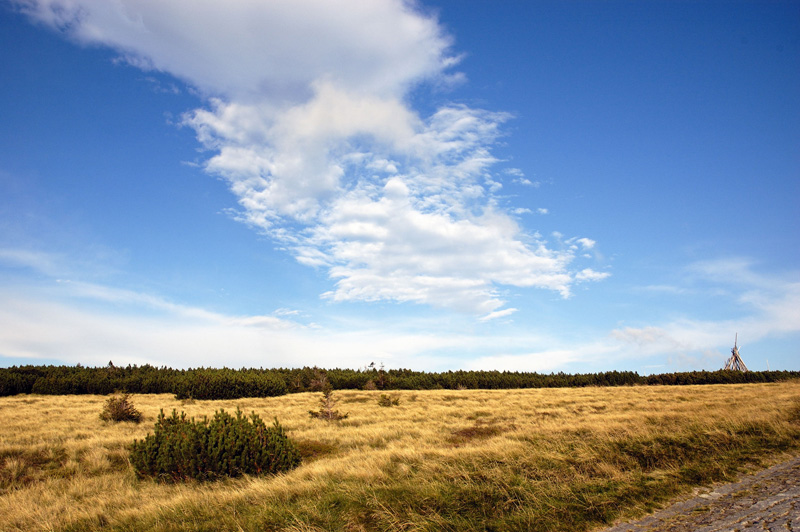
<point x="766" y="501"/>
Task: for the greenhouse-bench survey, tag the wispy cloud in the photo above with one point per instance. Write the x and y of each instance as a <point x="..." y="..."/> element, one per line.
<point x="544" y="359"/>
<point x="75" y="322"/>
<point x="308" y="122"/>
<point x="90" y="323"/>
<point x="498" y="314"/>
<point x="41" y="262"/>
<point x="769" y="306"/>
<point x="140" y="329"/>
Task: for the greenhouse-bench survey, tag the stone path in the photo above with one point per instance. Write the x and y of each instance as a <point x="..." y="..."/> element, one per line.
<point x="769" y="500"/>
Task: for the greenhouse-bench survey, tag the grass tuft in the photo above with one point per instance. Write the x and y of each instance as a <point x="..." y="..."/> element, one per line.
<point x="388" y="401"/>
<point x="794" y="412"/>
<point x="314" y="449"/>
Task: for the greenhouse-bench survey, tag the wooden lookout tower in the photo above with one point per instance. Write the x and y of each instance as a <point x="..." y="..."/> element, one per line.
<point x="735" y="363"/>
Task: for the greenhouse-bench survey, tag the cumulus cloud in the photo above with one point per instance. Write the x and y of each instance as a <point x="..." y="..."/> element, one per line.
<point x="248" y="49"/>
<point x="308" y="122"/>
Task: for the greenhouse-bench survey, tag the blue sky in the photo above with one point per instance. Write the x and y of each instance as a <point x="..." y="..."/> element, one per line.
<point x="535" y="186"/>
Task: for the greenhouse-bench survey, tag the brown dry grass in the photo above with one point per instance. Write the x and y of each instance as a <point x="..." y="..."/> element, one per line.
<point x="550" y="459"/>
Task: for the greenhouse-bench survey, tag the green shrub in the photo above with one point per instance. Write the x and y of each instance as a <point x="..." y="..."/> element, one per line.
<point x="385" y="400"/>
<point x="120" y="408"/>
<point x="225" y="446"/>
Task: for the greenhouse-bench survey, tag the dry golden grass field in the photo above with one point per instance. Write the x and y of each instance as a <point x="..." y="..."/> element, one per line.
<point x="544" y="459"/>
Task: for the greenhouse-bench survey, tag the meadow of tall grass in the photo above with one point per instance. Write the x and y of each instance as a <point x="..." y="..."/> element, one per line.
<point x="544" y="459"/>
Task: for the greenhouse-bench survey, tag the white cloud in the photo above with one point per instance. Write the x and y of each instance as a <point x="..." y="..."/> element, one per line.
<point x="286" y="312"/>
<point x="732" y="271"/>
<point x="498" y="314"/>
<point x="388" y="244"/>
<point x="92" y="324"/>
<point x="248" y="49"/>
<point x="588" y="274"/>
<point x="148" y="330"/>
<point x="770" y="309"/>
<point x="308" y="122"/>
<point x="283" y="165"/>
<point x="664" y="289"/>
<point x="41" y="262"/>
<point x="527" y="182"/>
<point x="426" y="231"/>
<point x="539" y="361"/>
<point x="769" y="304"/>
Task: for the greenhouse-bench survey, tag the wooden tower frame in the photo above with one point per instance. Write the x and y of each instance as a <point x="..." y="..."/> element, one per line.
<point x="735" y="363"/>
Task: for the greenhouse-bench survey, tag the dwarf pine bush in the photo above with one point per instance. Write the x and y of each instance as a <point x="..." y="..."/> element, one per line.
<point x="387" y="401"/>
<point x="225" y="446"/>
<point x="120" y="408"/>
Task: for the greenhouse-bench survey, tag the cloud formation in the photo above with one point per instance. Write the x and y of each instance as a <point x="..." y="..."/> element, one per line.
<point x="308" y="122"/>
<point x="91" y="323"/>
<point x="250" y="49"/>
<point x="769" y="307"/>
<point x="77" y="322"/>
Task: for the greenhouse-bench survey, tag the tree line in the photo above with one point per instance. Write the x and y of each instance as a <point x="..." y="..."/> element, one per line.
<point x="226" y="383"/>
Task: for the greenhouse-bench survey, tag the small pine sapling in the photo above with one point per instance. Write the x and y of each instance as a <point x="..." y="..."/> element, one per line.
<point x="327" y="405"/>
